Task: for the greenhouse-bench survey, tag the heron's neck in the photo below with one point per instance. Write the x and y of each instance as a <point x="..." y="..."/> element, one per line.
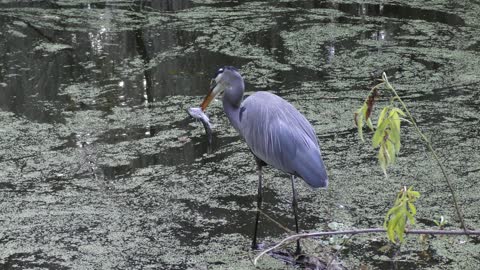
<point x="233" y="113"/>
<point x="232" y="100"/>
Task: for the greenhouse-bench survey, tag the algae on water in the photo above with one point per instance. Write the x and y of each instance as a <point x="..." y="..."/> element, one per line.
<point x="103" y="168"/>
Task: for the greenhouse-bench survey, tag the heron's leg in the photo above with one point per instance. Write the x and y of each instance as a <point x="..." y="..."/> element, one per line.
<point x="295" y="206"/>
<point x="259" y="204"/>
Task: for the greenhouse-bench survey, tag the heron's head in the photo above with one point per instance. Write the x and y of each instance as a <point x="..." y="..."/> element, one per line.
<point x="225" y="78"/>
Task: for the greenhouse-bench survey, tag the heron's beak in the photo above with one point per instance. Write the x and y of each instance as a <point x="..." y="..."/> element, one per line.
<point x="211" y="95"/>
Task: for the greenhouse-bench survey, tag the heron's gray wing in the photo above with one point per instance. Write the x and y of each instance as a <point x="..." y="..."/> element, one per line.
<point x="279" y="134"/>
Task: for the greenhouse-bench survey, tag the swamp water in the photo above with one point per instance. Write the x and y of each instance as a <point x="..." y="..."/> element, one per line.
<point x="103" y="169"/>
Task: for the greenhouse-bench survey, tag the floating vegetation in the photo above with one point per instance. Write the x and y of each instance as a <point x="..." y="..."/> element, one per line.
<point x="102" y="168"/>
<point x="52" y="47"/>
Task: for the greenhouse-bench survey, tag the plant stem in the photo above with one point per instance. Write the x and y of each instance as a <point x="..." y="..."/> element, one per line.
<point x="294" y="237"/>
<point x="430" y="148"/>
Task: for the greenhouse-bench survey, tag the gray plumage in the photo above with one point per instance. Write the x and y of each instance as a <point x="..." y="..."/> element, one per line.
<point x="276" y="133"/>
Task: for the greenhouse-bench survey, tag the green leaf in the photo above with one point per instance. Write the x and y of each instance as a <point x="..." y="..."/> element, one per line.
<point x="412" y="208"/>
<point x="382" y="116"/>
<point x="406" y="120"/>
<point x="397" y="110"/>
<point x="390" y="150"/>
<point x="382" y="159"/>
<point x="413" y="195"/>
<point x="410" y="217"/>
<point x="393" y="211"/>
<point x="359" y="123"/>
<point x="392" y="225"/>
<point x="369" y="124"/>
<point x="395" y="119"/>
<point x="391" y="235"/>
<point x="360" y="118"/>
<point x="402" y="212"/>
<point x="391" y="229"/>
<point x="395" y="138"/>
<point x="379" y="134"/>
<point x="400" y="228"/>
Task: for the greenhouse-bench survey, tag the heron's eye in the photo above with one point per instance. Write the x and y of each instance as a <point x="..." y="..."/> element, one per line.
<point x="219" y="71"/>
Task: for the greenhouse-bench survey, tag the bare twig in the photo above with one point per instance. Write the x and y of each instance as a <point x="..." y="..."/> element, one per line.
<point x="344" y="243"/>
<point x="294" y="237"/>
<point x="274" y="221"/>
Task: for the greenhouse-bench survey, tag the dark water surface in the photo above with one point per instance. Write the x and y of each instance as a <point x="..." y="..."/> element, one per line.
<point x="102" y="169"/>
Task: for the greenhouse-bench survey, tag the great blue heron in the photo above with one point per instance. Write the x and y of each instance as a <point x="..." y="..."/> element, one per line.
<point x="276" y="133"/>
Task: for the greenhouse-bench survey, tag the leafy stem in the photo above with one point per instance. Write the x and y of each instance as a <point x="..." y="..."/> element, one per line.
<point x="430" y="148"/>
<point x="396" y="218"/>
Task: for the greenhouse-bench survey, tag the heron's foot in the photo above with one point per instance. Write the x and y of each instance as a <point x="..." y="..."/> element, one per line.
<point x="298" y="251"/>
<point x="257" y="246"/>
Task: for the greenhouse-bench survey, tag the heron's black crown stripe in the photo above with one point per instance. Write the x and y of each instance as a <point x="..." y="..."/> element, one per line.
<point x="231" y="68"/>
<point x="221" y="70"/>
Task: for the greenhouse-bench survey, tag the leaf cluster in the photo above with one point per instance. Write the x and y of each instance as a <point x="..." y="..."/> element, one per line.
<point x="362" y="115"/>
<point x="441" y="223"/>
<point x="402" y="211"/>
<point x="387" y="136"/>
<point x="387" y="132"/>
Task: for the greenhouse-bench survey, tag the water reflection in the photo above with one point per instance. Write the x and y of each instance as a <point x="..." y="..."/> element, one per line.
<point x="181" y="157"/>
<point x="170" y="5"/>
<point x="330" y="52"/>
<point x="394" y="11"/>
<point x="164" y="5"/>
<point x="147" y="73"/>
<point x="100" y="57"/>
<point x="143" y="5"/>
<point x="103" y="54"/>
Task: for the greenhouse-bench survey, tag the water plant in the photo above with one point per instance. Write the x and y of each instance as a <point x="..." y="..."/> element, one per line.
<point x="387" y="139"/>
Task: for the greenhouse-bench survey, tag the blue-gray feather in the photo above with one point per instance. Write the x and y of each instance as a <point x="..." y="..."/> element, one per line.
<point x="273" y="129"/>
<point x="281" y="136"/>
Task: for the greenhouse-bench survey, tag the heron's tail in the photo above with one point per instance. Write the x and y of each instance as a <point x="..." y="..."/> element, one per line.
<point x="310" y="167"/>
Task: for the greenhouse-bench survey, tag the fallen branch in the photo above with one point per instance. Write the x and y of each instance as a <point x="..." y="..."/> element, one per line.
<point x="294" y="237"/>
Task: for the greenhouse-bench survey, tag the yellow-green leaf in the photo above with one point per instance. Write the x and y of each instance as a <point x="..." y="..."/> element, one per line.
<point x="359" y="122"/>
<point x="412" y="208"/>
<point x="395" y="138"/>
<point x="410" y="217"/>
<point x="382" y="159"/>
<point x="391" y="235"/>
<point x="400" y="228"/>
<point x="390" y="150"/>
<point x="379" y="134"/>
<point x="382" y="116"/>
<point x="369" y="124"/>
<point x="402" y="212"/>
<point x="392" y="224"/>
<point x="395" y="120"/>
<point x="413" y="194"/>
<point x="399" y="111"/>
<point x="394" y="210"/>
